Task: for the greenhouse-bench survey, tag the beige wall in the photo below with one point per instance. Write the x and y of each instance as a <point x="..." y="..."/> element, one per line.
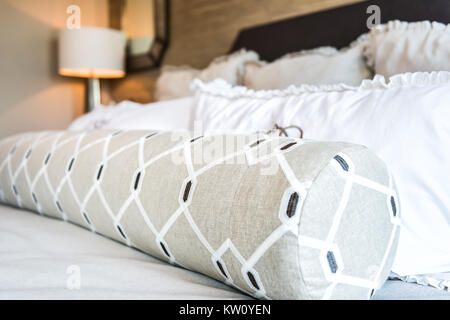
<point x="203" y="29"/>
<point x="32" y="95"/>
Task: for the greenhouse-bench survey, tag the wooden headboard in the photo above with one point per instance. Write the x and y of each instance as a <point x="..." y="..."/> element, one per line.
<point x="336" y="27"/>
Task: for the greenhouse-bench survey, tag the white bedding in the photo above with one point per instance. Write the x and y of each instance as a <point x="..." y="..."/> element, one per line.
<point x="167" y="115"/>
<point x="35" y="253"/>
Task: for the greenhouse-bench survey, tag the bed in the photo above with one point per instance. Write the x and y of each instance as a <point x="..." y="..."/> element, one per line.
<point x="38" y="267"/>
<point x="44" y="258"/>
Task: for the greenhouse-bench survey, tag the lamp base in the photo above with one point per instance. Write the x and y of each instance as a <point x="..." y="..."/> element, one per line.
<point x="92" y="94"/>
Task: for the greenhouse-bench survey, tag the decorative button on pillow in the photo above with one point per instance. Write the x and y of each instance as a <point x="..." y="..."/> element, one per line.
<point x="274" y="217"/>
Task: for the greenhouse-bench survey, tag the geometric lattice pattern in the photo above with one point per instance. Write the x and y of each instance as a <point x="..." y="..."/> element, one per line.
<point x="274" y="217"/>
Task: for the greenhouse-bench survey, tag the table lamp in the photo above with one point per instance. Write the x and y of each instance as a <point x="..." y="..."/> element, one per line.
<point x="92" y="53"/>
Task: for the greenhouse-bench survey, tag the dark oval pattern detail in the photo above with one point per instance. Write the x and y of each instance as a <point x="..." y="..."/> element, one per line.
<point x="254" y="144"/>
<point x="136" y="182"/>
<point x="15" y="190"/>
<point x="292" y="205"/>
<point x="195" y="139"/>
<point x="58" y="205"/>
<point x="164" y="249"/>
<point x="34" y="198"/>
<point x="99" y="175"/>
<point x="150" y="135"/>
<point x="332" y="261"/>
<point x="47" y="158"/>
<point x="13" y="150"/>
<point x="342" y="162"/>
<point x="28" y="154"/>
<point x="71" y="164"/>
<point x="117" y="133"/>
<point x="121" y="232"/>
<point x="288" y="146"/>
<point x="187" y="190"/>
<point x="394" y="206"/>
<point x="252" y="279"/>
<point x="86" y="218"/>
<point x="222" y="270"/>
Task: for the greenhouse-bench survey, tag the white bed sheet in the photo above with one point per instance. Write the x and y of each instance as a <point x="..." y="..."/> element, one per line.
<point x="169" y="115"/>
<point x="35" y="253"/>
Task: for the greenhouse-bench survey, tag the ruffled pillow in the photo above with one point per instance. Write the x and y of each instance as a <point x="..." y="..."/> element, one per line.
<point x="399" y="47"/>
<point x="325" y="65"/>
<point x="174" y="82"/>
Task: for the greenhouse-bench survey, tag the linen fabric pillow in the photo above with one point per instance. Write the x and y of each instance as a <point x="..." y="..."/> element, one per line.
<point x="405" y="122"/>
<point x="324" y="65"/>
<point x="265" y="216"/>
<point x="174" y="82"/>
<point x="168" y="115"/>
<point x="399" y="47"/>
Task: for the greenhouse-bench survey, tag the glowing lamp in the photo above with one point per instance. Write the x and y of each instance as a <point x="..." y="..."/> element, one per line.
<point x="93" y="53"/>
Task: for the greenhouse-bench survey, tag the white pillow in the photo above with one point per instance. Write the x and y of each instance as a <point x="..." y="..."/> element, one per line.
<point x="325" y="65"/>
<point x="165" y="115"/>
<point x="174" y="82"/>
<point x="405" y="122"/>
<point x="398" y="47"/>
<point x="229" y="67"/>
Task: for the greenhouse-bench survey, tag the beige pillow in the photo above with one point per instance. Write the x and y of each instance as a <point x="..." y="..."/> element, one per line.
<point x="278" y="218"/>
<point x="319" y="66"/>
<point x="174" y="82"/>
<point x="400" y="47"/>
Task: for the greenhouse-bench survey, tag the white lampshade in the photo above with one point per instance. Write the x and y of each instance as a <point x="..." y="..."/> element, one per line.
<point x="92" y="53"/>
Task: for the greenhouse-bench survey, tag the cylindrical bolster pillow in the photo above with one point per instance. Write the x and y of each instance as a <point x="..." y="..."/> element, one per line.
<point x="278" y="218"/>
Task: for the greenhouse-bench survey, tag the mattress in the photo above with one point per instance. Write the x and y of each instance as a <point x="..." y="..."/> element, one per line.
<point x="38" y="257"/>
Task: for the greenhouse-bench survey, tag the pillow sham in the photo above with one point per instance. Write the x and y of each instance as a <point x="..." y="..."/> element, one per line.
<point x="279" y="230"/>
<point x="398" y="47"/>
<point x="229" y="67"/>
<point x="174" y="82"/>
<point x="169" y="115"/>
<point x="324" y="65"/>
<point x="404" y="121"/>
